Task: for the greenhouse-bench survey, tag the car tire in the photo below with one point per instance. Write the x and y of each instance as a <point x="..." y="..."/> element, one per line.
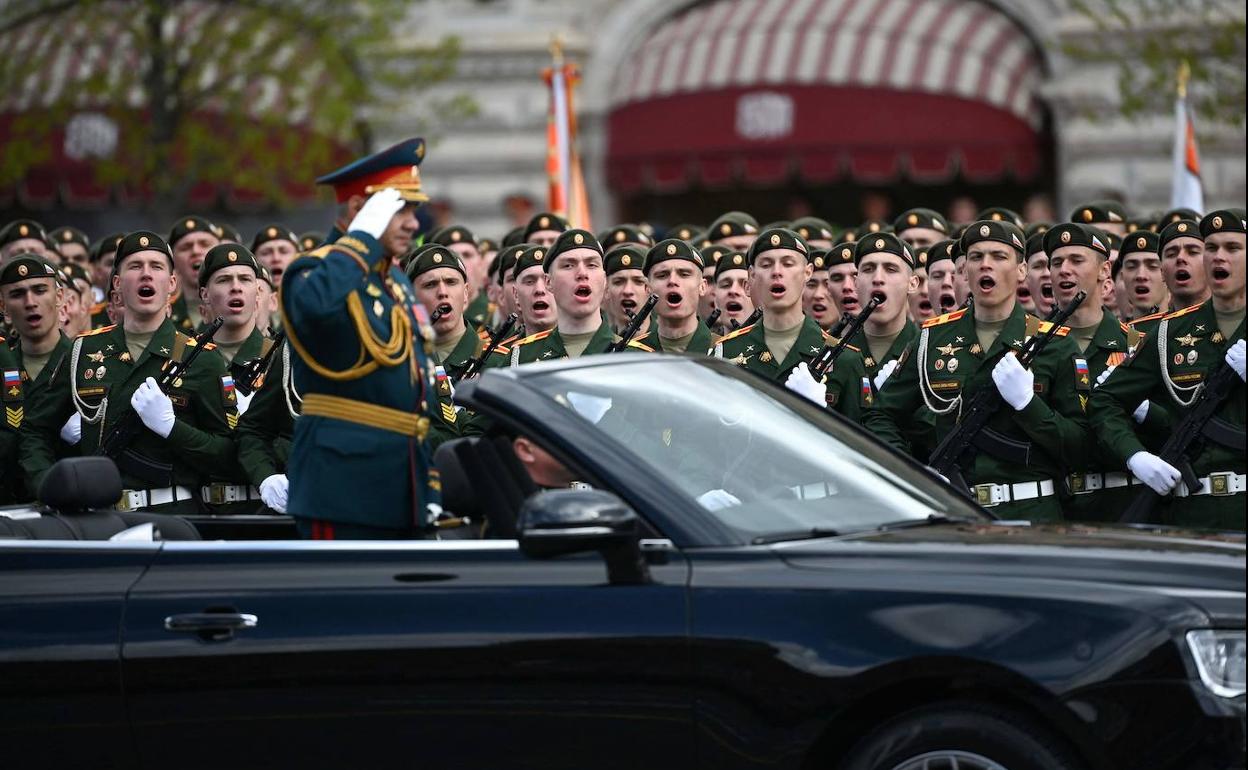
<point x="978" y="737"/>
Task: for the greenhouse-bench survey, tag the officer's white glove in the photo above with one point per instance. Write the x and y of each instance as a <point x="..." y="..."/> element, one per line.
<point x="274" y="491"/>
<point x="377" y="211"/>
<point x="1015" y="383"/>
<point x="153" y="407"/>
<point x="1100" y="378"/>
<point x="716" y="499"/>
<point x="1141" y="412"/>
<point x="1159" y="475"/>
<point x="1235" y="358"/>
<point x="71" y="431"/>
<point x="884" y="373"/>
<point x="242" y="401"/>
<point x="803" y="383"/>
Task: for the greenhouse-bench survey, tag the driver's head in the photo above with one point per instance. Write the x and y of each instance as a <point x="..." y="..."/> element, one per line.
<point x="543" y="468"/>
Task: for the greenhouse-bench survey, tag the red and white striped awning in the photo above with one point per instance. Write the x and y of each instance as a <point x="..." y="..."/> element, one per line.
<point x="822" y="88"/>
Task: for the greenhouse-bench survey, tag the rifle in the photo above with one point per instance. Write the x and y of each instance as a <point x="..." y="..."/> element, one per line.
<point x="253" y="370"/>
<point x="985" y="405"/>
<point x="713" y="318"/>
<point x="634" y="325"/>
<point x="474" y="365"/>
<point x="1197" y="423"/>
<point x="438" y="312"/>
<point x="821" y="364"/>
<point x="754" y="317"/>
<point x="116" y="443"/>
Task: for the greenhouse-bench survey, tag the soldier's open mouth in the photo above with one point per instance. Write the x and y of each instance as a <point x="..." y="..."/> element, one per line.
<point x="732" y="306"/>
<point x="33" y="319"/>
<point x="147" y="292"/>
<point x="1065" y="285"/>
<point x="1046" y="289"/>
<point x="674" y="298"/>
<point x="1221" y="274"/>
<point x="197" y="264"/>
<point x="236" y="304"/>
<point x="1140" y="291"/>
<point x="819" y="307"/>
<point x="948" y="300"/>
<point x="628" y="304"/>
<point x="987" y="283"/>
<point x="1182" y="275"/>
<point x="849" y="304"/>
<point x="583" y="291"/>
<point x="777" y="289"/>
<point x="879" y="296"/>
<point x="445" y="310"/>
<point x="540" y="305"/>
<point x="925" y="305"/>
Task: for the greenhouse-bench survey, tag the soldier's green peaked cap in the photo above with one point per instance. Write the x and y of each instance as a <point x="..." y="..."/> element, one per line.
<point x="1174" y="215"/>
<point x="778" y="238"/>
<point x="141" y="240"/>
<point x="624" y="234"/>
<point x="569" y="240"/>
<point x="432" y="256"/>
<point x="225" y="255"/>
<point x="1184" y="228"/>
<point x="941" y="250"/>
<point x="74" y="271"/>
<point x="1100" y="212"/>
<point x="1076" y="234"/>
<point x="630" y="256"/>
<point x="310" y="240"/>
<point x="1221" y="221"/>
<point x="544" y="221"/>
<point x="1144" y="241"/>
<point x="685" y="232"/>
<point x="672" y="248"/>
<point x="812" y="229"/>
<point x="20" y="229"/>
<point x="991" y="230"/>
<point x="506" y="260"/>
<point x="1037" y="228"/>
<point x="1035" y="245"/>
<point x="920" y="217"/>
<point x="730" y="224"/>
<point x="730" y="260"/>
<point x="190" y="224"/>
<point x="883" y="243"/>
<point x="275" y="232"/>
<point x="711" y="254"/>
<point x="841" y="254"/>
<point x="445" y="236"/>
<point x="24" y="266"/>
<point x="514" y="237"/>
<point x="106" y="244"/>
<point x="530" y="256"/>
<point x="67" y="234"/>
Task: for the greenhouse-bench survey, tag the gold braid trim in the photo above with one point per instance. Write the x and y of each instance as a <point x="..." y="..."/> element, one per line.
<point x="389" y="354"/>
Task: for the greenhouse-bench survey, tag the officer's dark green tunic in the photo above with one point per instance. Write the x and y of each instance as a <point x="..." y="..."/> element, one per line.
<point x="922" y="431"/>
<point x="848" y="389"/>
<point x="1166" y="369"/>
<point x="948" y="356"/>
<point x="252" y="348"/>
<point x="266" y="429"/>
<point x="470" y="346"/>
<point x="701" y="344"/>
<point x="19" y="390"/>
<point x="99" y="369"/>
<point x="479" y="310"/>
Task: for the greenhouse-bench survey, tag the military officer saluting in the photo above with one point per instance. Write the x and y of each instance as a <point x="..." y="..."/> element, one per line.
<point x="885" y="272"/>
<point x="1018" y="461"/>
<point x="360" y="467"/>
<point x="781" y="345"/>
<point x="674" y="271"/>
<point x="1168" y="368"/>
<point x="112" y="370"/>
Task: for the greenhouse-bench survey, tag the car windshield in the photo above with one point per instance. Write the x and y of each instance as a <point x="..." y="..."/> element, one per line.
<point x="748" y="452"/>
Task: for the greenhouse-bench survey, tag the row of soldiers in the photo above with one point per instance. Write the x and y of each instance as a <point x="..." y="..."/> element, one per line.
<point x="380" y="318"/>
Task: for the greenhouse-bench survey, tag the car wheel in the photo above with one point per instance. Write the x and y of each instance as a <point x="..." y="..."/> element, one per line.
<point x="958" y="736"/>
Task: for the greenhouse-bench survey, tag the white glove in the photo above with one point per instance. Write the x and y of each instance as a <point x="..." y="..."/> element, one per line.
<point x="1100" y="378"/>
<point x="242" y="401"/>
<point x="1235" y="358"/>
<point x="716" y="499"/>
<point x="377" y="211"/>
<point x="884" y="373"/>
<point x="1141" y="412"/>
<point x="274" y="490"/>
<point x="1015" y="383"/>
<point x="71" y="431"/>
<point x="154" y="408"/>
<point x="801" y="382"/>
<point x="1158" y="474"/>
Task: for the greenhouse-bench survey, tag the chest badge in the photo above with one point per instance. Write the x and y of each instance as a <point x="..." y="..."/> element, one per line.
<point x="124" y="357"/>
<point x="1187" y="340"/>
<point x="953" y="365"/>
<point x="939" y="365"/>
<point x="96" y="357"/>
<point x="373" y="290"/>
<point x="12" y="382"/>
<point x="1178" y="358"/>
<point x="1191" y="356"/>
<point x="867" y="362"/>
<point x="948" y="350"/>
<point x="1217" y="338"/>
<point x="377" y="308"/>
<point x="976" y="349"/>
<point x="99" y="372"/>
<point x="765" y="357"/>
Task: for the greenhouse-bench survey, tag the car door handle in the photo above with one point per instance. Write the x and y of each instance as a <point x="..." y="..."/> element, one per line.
<point x="211" y="621"/>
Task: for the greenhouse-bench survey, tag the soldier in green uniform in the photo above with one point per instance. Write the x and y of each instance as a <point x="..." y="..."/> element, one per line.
<point x="76" y="309"/>
<point x="1018" y="461"/>
<point x="940" y="277"/>
<point x="266" y="432"/>
<point x="531" y="290"/>
<point x="817" y="294"/>
<point x="463" y="244"/>
<point x="1142" y="289"/>
<point x="24" y="236"/>
<point x="274" y="247"/>
<point x="627" y="287"/>
<point x="190" y="238"/>
<point x="1182" y="253"/>
<point x="673" y="269"/>
<point x="506" y="283"/>
<point x="1169" y="368"/>
<point x="543" y="229"/>
<point x="843" y="279"/>
<point x="360" y="461"/>
<point x="781" y="345"/>
<point x="111" y="371"/>
<point x="103" y="255"/>
<point x="441" y="282"/>
<point x="71" y="245"/>
<point x="31" y="294"/>
<point x="885" y="267"/>
<point x="731" y="287"/>
<point x="1039" y="278"/>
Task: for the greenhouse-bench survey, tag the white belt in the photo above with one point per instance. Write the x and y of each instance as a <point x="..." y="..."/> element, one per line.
<point x="1216" y="484"/>
<point x="219" y="494"/>
<point x="989" y="495"/>
<point x="137" y="499"/>
<point x="1083" y="483"/>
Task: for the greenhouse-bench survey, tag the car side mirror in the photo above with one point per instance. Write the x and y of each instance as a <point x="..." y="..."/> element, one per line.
<point x="564" y="521"/>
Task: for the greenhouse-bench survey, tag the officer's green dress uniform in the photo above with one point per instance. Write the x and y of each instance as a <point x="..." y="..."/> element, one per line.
<point x="702" y="343"/>
<point x="848" y="389"/>
<point x="14" y="397"/>
<point x="360" y="465"/>
<point x="1168" y="369"/>
<point x="98" y="378"/>
<point x="909" y="333"/>
<point x="1017" y="466"/>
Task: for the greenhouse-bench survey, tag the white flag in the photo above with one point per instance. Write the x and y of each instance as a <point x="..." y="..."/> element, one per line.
<point x="1185" y="191"/>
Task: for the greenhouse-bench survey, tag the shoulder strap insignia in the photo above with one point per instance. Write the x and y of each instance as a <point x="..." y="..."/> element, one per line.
<point x="100" y="330"/>
<point x="1123" y="327"/>
<point x="640" y="346"/>
<point x="1184" y="311"/>
<point x="735" y="334"/>
<point x="1062" y="331"/>
<point x="944" y="319"/>
<point x="210" y="346"/>
<point x="99" y="307"/>
<point x="1142" y="319"/>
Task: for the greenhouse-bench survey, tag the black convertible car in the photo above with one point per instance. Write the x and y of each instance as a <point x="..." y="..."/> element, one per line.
<point x="735" y="580"/>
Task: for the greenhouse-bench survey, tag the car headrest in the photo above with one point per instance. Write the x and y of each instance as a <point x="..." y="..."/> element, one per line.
<point x="81" y="483"/>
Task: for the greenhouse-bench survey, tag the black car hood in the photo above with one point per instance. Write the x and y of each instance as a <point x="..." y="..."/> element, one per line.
<point x="1201" y="566"/>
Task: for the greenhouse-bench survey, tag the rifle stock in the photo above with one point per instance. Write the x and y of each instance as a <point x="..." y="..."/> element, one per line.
<point x="822" y="363"/>
<point x="474" y="365"/>
<point x="256" y="369"/>
<point x="634" y="325"/>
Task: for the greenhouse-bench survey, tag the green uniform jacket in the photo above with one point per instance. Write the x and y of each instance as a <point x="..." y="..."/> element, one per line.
<point x="548" y="346"/>
<point x="701" y="344"/>
<point x="946" y="364"/>
<point x="908" y="334"/>
<point x="252" y="348"/>
<point x="480" y="311"/>
<point x="849" y="390"/>
<point x="98" y="378"/>
<point x="266" y="429"/>
<point x="469" y="347"/>
<point x="1167" y="368"/>
<point x="19" y="390"/>
<point x="180" y="315"/>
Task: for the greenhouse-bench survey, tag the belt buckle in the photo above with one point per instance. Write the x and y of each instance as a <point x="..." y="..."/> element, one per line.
<point x="123" y="504"/>
<point x="1220" y="484"/>
<point x="1078" y="483"/>
<point x="983" y="495"/>
<point x="216" y="494"/>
